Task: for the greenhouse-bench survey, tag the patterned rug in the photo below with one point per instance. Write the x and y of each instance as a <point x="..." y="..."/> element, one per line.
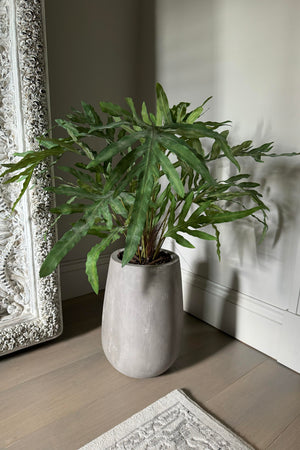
<point x="173" y="422"/>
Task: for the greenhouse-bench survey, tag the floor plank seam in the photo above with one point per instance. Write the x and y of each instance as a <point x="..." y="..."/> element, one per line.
<point x="52" y="371"/>
<point x="282" y="431"/>
<point x="235" y="381"/>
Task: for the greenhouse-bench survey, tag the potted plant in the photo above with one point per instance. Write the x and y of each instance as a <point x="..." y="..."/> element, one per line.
<point x="152" y="180"/>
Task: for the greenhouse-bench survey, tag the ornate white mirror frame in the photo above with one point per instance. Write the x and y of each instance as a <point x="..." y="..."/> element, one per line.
<point x="30" y="307"/>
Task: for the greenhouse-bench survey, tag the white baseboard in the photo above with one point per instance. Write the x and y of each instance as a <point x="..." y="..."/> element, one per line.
<point x="265" y="327"/>
<point x="74" y="281"/>
<point x="250" y="320"/>
<point x="289" y="351"/>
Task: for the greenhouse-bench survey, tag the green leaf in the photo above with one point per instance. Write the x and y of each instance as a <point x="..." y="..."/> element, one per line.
<point x="106" y="214"/>
<point x="23" y="190"/>
<point x="114" y="110"/>
<point x="186" y="206"/>
<point x="172" y="209"/>
<point x="118" y="207"/>
<point x="130" y="180"/>
<point x="115" y="148"/>
<point x="122" y="167"/>
<point x="140" y="207"/>
<point x="69" y="208"/>
<point x="72" y="191"/>
<point x="218" y="242"/>
<point x="162" y="105"/>
<point x="275" y="155"/>
<point x="69" y="240"/>
<point x="132" y="108"/>
<point x="196" y="145"/>
<point x="91" y="114"/>
<point x="20" y="176"/>
<point x="215" y="150"/>
<point x="169" y="170"/>
<point x="81" y="176"/>
<point x="194" y="115"/>
<point x="198" y="130"/>
<point x="179" y="111"/>
<point x="108" y="126"/>
<point x="69" y="127"/>
<point x="93" y="256"/>
<point x="201" y="234"/>
<point x="181" y="240"/>
<point x="145" y="115"/>
<point x="227" y="216"/>
<point x="248" y="184"/>
<point x="31" y="159"/>
<point x="193" y="220"/>
<point x="187" y="154"/>
<point x="237" y="178"/>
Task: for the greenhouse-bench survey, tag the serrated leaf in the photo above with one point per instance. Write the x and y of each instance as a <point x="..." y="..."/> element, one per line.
<point x="23" y="190"/>
<point x="91" y="114"/>
<point x="186" y="153"/>
<point x="116" y="147"/>
<point x="194" y="115"/>
<point x="72" y="191"/>
<point x="69" y="240"/>
<point x="31" y="159"/>
<point x="196" y="145"/>
<point x="118" y="207"/>
<point x="93" y="256"/>
<point x="198" y="130"/>
<point x="237" y="177"/>
<point x="114" y="110"/>
<point x="132" y="108"/>
<point x="169" y="170"/>
<point x="140" y="207"/>
<point x="69" y="208"/>
<point x="215" y="150"/>
<point x="227" y="216"/>
<point x="201" y="234"/>
<point x="163" y="110"/>
<point x="123" y="166"/>
<point x="248" y="184"/>
<point x="186" y="206"/>
<point x="145" y="115"/>
<point x="181" y="240"/>
<point x="69" y="127"/>
<point x="218" y="241"/>
<point x="172" y="207"/>
<point x="275" y="155"/>
<point x="108" y="126"/>
<point x="193" y="220"/>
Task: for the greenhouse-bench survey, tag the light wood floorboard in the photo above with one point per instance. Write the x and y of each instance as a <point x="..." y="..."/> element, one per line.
<point x="62" y="394"/>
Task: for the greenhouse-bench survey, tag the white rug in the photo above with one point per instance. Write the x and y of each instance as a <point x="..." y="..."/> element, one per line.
<point x="173" y="422"/>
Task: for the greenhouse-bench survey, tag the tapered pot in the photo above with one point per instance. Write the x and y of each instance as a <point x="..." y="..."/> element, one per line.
<point x="142" y="316"/>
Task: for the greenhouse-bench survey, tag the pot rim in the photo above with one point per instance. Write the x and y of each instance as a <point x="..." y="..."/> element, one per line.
<point x="174" y="260"/>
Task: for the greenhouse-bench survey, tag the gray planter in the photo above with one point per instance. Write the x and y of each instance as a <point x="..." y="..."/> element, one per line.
<point x="142" y="317"/>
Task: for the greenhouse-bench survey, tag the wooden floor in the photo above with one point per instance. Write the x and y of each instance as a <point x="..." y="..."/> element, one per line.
<point x="62" y="394"/>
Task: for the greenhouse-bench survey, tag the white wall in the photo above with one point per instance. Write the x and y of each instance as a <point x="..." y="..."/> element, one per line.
<point x="97" y="50"/>
<point x="245" y="54"/>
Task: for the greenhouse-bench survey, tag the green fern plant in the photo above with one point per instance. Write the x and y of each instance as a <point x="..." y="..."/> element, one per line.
<point x="152" y="180"/>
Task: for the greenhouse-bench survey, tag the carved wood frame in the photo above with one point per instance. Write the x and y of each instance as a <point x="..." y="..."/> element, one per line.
<point x="30" y="307"/>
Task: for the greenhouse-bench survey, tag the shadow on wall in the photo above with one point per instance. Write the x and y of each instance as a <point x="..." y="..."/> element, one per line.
<point x="242" y="247"/>
<point x="201" y="291"/>
<point x="204" y="341"/>
<point x="280" y="185"/>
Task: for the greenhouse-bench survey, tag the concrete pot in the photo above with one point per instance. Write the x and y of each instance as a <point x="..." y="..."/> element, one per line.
<point x="142" y="316"/>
